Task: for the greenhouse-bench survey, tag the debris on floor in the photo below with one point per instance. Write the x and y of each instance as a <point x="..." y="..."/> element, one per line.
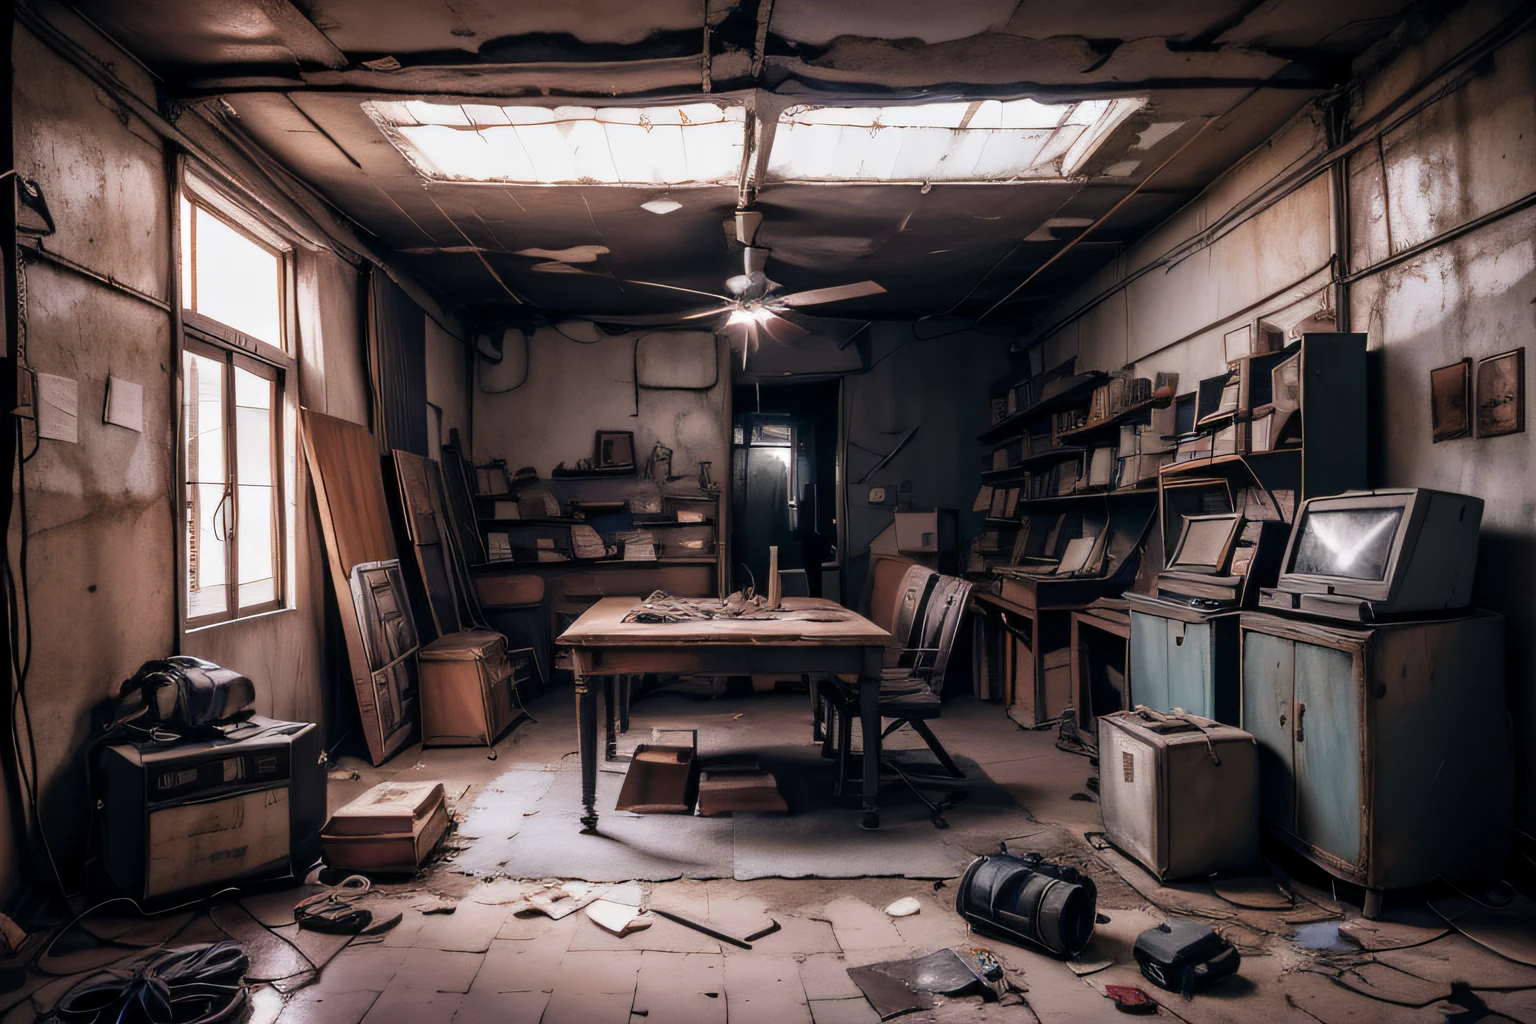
<point x="1130" y="999"/>
<point x="335" y="910"/>
<point x="904" y="907"/>
<point x="617" y="918"/>
<point x="895" y="987"/>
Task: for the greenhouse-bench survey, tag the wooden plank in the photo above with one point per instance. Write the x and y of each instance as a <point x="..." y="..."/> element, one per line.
<point x="345" y="475"/>
<point x="603" y="625"/>
<point x="343" y="455"/>
<point x="428" y="529"/>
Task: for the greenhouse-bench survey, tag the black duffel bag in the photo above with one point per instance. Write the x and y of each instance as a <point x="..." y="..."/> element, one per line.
<point x="1030" y="900"/>
<point x="182" y="693"/>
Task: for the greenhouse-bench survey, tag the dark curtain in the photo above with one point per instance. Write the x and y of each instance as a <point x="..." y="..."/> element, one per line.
<point x="397" y="348"/>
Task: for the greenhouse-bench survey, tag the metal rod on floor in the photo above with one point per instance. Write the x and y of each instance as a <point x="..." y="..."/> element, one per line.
<point x="696" y="926"/>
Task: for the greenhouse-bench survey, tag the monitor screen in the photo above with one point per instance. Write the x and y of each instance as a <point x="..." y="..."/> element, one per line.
<point x="1205" y="542"/>
<point x="1351" y="543"/>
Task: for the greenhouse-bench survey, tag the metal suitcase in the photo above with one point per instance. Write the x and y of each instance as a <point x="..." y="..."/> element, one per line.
<point x="1179" y="794"/>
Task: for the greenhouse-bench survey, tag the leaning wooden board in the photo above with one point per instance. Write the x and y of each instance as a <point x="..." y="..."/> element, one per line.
<point x="354" y="518"/>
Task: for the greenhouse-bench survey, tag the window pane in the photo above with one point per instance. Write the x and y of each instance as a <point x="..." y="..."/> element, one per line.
<point x="207" y="554"/>
<point x="255" y="446"/>
<point x="258" y="552"/>
<point x="238" y="283"/>
<point x="253" y="428"/>
<point x="202" y="414"/>
<point x="203" y="458"/>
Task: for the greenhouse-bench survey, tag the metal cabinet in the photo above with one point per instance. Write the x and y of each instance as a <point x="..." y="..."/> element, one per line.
<point x="1185" y="661"/>
<point x="1383" y="750"/>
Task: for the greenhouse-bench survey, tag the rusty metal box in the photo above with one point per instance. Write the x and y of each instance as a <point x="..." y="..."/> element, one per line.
<point x="1181" y="796"/>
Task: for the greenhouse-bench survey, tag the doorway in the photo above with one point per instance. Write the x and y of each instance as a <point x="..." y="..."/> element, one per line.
<point x="784" y="485"/>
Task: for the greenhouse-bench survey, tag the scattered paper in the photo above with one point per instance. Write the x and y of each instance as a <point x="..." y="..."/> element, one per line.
<point x="904" y="907"/>
<point x="125" y="404"/>
<point x="58" y="408"/>
<point x="618" y="918"/>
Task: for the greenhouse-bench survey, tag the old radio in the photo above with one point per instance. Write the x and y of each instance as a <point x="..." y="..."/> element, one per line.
<point x="193" y="815"/>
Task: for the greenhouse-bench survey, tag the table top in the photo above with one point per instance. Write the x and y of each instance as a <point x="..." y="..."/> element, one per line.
<point x="602" y="625"/>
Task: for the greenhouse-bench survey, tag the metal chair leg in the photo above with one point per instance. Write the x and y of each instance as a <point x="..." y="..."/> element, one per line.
<point x="939" y="752"/>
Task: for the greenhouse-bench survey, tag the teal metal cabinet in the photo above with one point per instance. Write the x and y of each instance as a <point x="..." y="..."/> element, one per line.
<point x="1185" y="660"/>
<point x="1383" y="750"/>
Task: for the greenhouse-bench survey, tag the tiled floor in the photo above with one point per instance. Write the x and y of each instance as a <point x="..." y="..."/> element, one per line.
<point x="488" y="963"/>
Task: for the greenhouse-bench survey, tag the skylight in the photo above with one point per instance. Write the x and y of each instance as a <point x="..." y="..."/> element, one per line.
<point x="682" y="144"/>
<point x="967" y="140"/>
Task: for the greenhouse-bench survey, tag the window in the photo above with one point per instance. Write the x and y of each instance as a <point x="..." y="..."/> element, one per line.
<point x="705" y="143"/>
<point x="232" y="423"/>
<point x="228" y="276"/>
<point x="976" y="140"/>
<point x="683" y="144"/>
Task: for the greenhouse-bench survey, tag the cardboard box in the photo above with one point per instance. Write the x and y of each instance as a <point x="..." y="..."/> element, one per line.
<point x="660" y="780"/>
<point x="391" y="828"/>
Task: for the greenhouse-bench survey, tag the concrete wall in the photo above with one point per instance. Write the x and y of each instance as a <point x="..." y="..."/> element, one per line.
<point x="101" y="514"/>
<point x="448" y="383"/>
<point x="940" y="386"/>
<point x="1468" y="154"/>
<point x="572" y="389"/>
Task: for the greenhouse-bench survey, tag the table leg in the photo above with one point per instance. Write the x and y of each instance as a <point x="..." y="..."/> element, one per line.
<point x="610" y="719"/>
<point x="869" y="717"/>
<point x="586" y="731"/>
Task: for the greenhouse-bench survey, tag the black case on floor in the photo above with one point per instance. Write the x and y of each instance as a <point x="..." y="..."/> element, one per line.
<point x="1184" y="956"/>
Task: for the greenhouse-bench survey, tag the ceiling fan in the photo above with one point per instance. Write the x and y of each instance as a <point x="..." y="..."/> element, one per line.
<point x="754" y="303"/>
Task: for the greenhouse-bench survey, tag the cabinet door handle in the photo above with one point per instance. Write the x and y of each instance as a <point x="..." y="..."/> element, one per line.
<point x="1301" y="729"/>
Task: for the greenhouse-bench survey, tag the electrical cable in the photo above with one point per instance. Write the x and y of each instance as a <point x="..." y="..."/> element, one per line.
<point x="20" y="617"/>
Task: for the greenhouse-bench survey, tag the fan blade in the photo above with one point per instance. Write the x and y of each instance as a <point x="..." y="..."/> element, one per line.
<point x="778" y="328"/>
<point x="657" y="319"/>
<point x="676" y="288"/>
<point x="836" y="293"/>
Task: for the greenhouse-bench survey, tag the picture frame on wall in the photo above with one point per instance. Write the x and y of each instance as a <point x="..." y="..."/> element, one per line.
<point x="1450" y="406"/>
<point x="1501" y="394"/>
<point x="615" y="450"/>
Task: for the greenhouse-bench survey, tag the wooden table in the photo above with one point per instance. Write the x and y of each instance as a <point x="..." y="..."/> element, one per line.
<point x="603" y="646"/>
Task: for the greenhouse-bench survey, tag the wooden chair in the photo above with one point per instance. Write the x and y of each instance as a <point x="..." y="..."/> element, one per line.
<point x="929" y="610"/>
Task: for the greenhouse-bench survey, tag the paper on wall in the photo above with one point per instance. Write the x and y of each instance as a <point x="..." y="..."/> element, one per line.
<point x="125" y="404"/>
<point x="58" y="408"/>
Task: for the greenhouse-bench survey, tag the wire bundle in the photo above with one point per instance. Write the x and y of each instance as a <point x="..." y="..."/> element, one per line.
<point x="202" y="984"/>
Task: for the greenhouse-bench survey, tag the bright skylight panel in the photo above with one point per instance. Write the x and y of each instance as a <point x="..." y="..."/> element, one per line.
<point x="976" y="140"/>
<point x="684" y="144"/>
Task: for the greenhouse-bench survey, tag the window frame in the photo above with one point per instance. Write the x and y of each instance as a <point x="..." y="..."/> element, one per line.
<point x="210" y="203"/>
<point x="210" y="339"/>
<point x="204" y="336"/>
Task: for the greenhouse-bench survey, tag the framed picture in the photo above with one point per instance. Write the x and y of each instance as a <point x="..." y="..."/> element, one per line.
<point x="615" y="450"/>
<point x="1450" y="389"/>
<point x="1501" y="394"/>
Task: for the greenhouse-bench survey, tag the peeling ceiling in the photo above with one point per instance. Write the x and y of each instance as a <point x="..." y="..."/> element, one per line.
<point x="292" y="77"/>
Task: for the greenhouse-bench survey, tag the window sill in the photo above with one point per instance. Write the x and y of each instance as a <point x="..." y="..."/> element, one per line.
<point x="231" y="623"/>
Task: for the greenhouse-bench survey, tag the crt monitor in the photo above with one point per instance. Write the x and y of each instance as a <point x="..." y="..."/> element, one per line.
<point x="1369" y="554"/>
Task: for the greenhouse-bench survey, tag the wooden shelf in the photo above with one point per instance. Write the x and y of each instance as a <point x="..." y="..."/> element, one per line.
<point x="1044" y="458"/>
<point x="1192" y="465"/>
<point x="597" y="563"/>
<point x="1012" y="426"/>
<point x="1053" y="499"/>
<point x="1124" y="416"/>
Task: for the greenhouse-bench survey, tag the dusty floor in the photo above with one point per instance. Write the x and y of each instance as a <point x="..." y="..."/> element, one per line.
<point x="490" y="960"/>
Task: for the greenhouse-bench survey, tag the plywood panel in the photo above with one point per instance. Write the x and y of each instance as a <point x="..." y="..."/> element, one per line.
<point x="354" y="518"/>
<point x="345" y="459"/>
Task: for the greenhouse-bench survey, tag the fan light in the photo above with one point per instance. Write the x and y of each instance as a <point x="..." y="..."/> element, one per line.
<point x="755" y="315"/>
